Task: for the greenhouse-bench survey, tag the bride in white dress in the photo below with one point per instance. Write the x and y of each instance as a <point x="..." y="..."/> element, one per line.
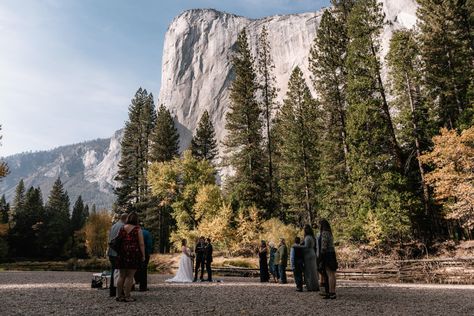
<point x="185" y="269"/>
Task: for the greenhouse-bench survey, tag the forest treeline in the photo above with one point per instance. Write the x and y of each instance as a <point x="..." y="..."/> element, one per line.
<point x="385" y="157"/>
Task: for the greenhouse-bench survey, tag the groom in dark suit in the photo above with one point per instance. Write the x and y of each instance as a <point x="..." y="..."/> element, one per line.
<point x="200" y="258"/>
<point x="208" y="252"/>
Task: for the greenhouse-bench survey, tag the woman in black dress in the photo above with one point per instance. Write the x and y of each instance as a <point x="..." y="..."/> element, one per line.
<point x="262" y="254"/>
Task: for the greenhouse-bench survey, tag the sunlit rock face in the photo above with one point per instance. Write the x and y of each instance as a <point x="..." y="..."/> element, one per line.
<point x="196" y="66"/>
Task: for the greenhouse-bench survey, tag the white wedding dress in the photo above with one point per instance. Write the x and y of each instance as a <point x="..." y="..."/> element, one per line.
<point x="185" y="269"/>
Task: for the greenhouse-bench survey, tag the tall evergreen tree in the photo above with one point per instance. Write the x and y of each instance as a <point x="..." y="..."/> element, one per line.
<point x="165" y="137"/>
<point x="379" y="202"/>
<point x="204" y="144"/>
<point x="27" y="224"/>
<point x="244" y="126"/>
<point x="19" y="199"/>
<point x="447" y="54"/>
<point x="365" y="23"/>
<point x="405" y="76"/>
<point x="135" y="152"/>
<point x="4" y="210"/>
<point x="79" y="215"/>
<point x="328" y="66"/>
<point x="57" y="228"/>
<point x="298" y="126"/>
<point x="267" y="94"/>
<point x="164" y="147"/>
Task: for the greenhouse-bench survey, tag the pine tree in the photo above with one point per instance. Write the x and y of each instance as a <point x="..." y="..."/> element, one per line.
<point x="165" y="137"/>
<point x="365" y="23"/>
<point x="267" y="93"/>
<point x="327" y="64"/>
<point x="204" y="144"/>
<point x="27" y="224"/>
<point x="244" y="126"/>
<point x="379" y="202"/>
<point x="57" y="227"/>
<point x="164" y="147"/>
<point x="19" y="199"/>
<point x="79" y="215"/>
<point x="446" y="49"/>
<point x="405" y="76"/>
<point x="135" y="152"/>
<point x="298" y="126"/>
<point x="4" y="210"/>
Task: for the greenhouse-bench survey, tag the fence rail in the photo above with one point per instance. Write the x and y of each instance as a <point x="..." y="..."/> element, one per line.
<point x="447" y="271"/>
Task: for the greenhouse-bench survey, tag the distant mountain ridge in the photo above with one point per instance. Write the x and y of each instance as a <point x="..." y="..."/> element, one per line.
<point x="87" y="169"/>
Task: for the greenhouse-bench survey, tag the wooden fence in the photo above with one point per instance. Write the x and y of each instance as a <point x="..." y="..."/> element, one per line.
<point x="445" y="271"/>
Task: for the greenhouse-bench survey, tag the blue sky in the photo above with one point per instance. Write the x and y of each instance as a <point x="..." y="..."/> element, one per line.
<point x="68" y="68"/>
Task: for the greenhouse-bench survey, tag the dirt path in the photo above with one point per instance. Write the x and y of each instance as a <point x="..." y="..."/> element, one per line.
<point x="69" y="293"/>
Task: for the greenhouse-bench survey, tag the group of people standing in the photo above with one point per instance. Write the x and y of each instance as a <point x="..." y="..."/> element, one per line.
<point x="131" y="258"/>
<point x="312" y="259"/>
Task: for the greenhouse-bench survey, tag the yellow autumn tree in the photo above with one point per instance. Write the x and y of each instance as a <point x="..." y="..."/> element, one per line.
<point x="453" y="175"/>
<point x="96" y="232"/>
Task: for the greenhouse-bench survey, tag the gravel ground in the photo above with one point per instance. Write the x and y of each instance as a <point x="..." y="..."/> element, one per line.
<point x="69" y="293"/>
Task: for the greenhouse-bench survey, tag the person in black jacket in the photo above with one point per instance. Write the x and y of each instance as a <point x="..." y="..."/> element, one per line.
<point x="200" y="258"/>
<point x="208" y="252"/>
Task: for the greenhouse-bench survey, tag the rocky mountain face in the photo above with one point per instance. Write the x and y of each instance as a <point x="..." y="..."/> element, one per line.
<point x="197" y="68"/>
<point x="196" y="76"/>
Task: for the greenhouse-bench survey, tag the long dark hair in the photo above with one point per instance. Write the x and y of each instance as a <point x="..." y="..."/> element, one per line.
<point x="308" y="230"/>
<point x="132" y="219"/>
<point x="324" y="224"/>
<point x="184" y="242"/>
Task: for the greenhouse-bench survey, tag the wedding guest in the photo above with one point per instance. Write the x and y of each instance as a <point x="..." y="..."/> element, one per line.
<point x="132" y="255"/>
<point x="272" y="262"/>
<point x="282" y="260"/>
<point x="309" y="254"/>
<point x="113" y="255"/>
<point x="297" y="263"/>
<point x="200" y="259"/>
<point x="323" y="276"/>
<point x="208" y="251"/>
<point x="328" y="255"/>
<point x="262" y="255"/>
<point x="141" y="276"/>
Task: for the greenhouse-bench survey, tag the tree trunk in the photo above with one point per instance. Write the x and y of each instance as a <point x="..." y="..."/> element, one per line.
<point x="426" y="196"/>
<point x="395" y="147"/>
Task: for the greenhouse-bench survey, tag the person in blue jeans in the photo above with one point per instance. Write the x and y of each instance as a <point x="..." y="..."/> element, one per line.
<point x="283" y="260"/>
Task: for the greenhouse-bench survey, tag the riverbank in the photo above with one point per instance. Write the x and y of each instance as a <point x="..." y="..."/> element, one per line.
<point x="69" y="293"/>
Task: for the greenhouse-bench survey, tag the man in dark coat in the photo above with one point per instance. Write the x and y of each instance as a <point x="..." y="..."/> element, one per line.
<point x="297" y="263"/>
<point x="141" y="276"/>
<point x="208" y="252"/>
<point x="200" y="258"/>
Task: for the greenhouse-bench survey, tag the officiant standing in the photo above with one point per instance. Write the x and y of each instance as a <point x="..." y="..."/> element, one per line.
<point x="200" y="252"/>
<point x="208" y="252"/>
